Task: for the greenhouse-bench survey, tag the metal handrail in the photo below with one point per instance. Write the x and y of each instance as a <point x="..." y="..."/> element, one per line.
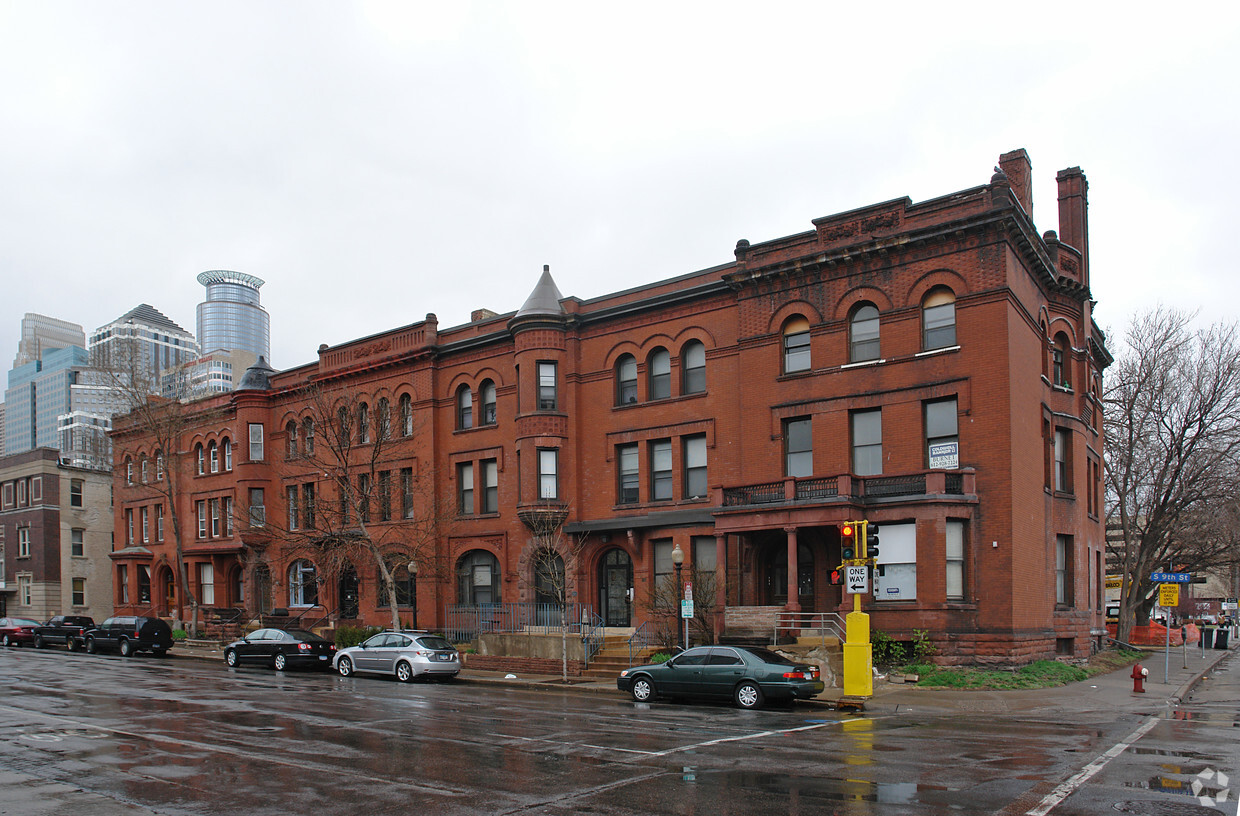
<point x="641" y="638"/>
<point x="822" y="622"/>
<point x="591" y="636"/>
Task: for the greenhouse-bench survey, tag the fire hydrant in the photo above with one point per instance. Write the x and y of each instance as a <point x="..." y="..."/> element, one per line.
<point x="1138" y="678"/>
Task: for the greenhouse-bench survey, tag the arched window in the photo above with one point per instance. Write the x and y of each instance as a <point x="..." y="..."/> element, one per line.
<point x="143" y="470"/>
<point x="863" y="334"/>
<point x="938" y="319"/>
<point x="290" y="439"/>
<point x="307" y="435"/>
<point x="200" y="461"/>
<point x="213" y="457"/>
<point x="693" y="368"/>
<point x="159" y="466"/>
<point x="1061" y="361"/>
<point x="659" y="370"/>
<point x="383" y="418"/>
<point x="478" y="578"/>
<point x="796" y="345"/>
<point x="303" y="584"/>
<point x="406" y="415"/>
<point x="626" y="380"/>
<point x="363" y="423"/>
<point x="487" y="391"/>
<point x="464" y="408"/>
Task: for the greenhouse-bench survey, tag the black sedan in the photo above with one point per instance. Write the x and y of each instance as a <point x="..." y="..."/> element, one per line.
<point x="281" y="649"/>
<point x="746" y="674"/>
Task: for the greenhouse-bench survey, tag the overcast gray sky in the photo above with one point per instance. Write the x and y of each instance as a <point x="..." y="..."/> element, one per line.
<point x="375" y="161"/>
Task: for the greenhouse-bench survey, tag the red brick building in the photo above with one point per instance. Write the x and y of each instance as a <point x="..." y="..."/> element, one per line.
<point x="931" y="367"/>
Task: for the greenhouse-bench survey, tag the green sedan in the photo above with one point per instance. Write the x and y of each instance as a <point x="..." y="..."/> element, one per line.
<point x="748" y="675"/>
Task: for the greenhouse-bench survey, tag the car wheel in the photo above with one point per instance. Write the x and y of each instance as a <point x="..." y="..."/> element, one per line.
<point x="126" y="648"/>
<point x="642" y="690"/>
<point x="748" y="695"/>
<point x="7" y="642"/>
<point x="230" y="657"/>
<point x="280" y="661"/>
<point x="404" y="672"/>
<point x="90" y="645"/>
<point x="38" y="641"/>
<point x="345" y="667"/>
<point x="71" y="644"/>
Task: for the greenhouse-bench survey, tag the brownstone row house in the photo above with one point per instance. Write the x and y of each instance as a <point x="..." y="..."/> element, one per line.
<point x="931" y="367"/>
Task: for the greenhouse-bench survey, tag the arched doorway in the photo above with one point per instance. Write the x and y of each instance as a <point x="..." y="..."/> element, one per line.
<point x="614" y="581"/>
<point x="347" y="593"/>
<point x="478" y="579"/>
<point x="167" y="592"/>
<point x="773" y="574"/>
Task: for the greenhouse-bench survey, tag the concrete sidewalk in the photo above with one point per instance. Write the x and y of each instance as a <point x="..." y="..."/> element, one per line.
<point x="1168" y="683"/>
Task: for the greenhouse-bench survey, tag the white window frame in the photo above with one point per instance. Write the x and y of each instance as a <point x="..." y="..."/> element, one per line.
<point x="896" y="577"/>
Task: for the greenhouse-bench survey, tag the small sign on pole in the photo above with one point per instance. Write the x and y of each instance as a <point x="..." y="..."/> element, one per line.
<point x="1168" y="595"/>
<point x="857" y="580"/>
<point x="686" y="609"/>
<point x="688" y="591"/>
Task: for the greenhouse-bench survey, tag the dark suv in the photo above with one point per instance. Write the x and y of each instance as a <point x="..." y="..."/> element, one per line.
<point x="128" y="635"/>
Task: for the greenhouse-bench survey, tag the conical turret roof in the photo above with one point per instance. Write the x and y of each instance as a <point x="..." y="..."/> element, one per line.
<point x="545" y="299"/>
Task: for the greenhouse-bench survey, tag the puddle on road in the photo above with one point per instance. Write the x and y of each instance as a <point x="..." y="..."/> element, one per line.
<point x="842" y="790"/>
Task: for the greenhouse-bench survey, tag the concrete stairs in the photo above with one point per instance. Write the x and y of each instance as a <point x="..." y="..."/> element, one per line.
<point x="613" y="658"/>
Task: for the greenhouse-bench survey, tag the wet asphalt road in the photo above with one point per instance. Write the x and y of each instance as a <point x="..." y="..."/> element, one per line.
<point x="103" y="735"/>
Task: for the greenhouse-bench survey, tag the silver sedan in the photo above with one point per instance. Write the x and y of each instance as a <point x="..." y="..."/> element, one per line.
<point x="406" y="655"/>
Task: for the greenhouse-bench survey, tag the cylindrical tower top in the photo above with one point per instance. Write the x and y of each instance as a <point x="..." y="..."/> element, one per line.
<point x="228" y="276"/>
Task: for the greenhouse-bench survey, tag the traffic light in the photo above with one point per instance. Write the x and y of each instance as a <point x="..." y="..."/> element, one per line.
<point x="837" y="577"/>
<point x="871" y="540"/>
<point x="848" y="542"/>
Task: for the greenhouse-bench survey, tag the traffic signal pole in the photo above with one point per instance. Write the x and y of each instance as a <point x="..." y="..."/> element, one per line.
<point x="858" y="651"/>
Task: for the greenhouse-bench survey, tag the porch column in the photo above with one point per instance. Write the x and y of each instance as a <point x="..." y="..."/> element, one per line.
<point x="721" y="582"/>
<point x="794" y="604"/>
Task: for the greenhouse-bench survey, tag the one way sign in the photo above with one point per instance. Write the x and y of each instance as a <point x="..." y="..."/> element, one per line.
<point x="857" y="580"/>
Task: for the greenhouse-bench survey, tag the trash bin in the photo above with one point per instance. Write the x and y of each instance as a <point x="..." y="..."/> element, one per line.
<point x="1207" y="637"/>
<point x="1220" y="638"/>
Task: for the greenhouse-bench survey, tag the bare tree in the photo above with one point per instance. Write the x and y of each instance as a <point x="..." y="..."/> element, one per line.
<point x="555" y="561"/>
<point x="163" y="422"/>
<point x="662" y="604"/>
<point x="362" y="495"/>
<point x="1172" y="429"/>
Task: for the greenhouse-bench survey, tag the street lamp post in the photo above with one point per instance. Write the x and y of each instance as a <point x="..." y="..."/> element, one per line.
<point x="678" y="561"/>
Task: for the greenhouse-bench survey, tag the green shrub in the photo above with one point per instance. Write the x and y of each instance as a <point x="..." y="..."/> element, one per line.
<point x="660" y="657"/>
<point x="347" y="636"/>
<point x="179" y="634"/>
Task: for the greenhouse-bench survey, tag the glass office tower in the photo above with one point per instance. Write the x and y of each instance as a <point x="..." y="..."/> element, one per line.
<point x="231" y="318"/>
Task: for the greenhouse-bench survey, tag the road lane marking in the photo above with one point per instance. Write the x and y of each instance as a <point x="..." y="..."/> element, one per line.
<point x="741" y="738"/>
<point x="1066" y="789"/>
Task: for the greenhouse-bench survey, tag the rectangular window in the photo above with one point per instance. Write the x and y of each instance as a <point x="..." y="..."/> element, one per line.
<point x="77" y="542"/>
<point x="796" y="349"/>
<point x="159" y="522"/>
<point x="490" y="486"/>
<point x="627" y="466"/>
<point x="465" y="485"/>
<point x="307" y="505"/>
<point x="695" y="466"/>
<point x="662" y="559"/>
<point x="955" y="560"/>
<point x="867" y="442"/>
<point x="363" y="498"/>
<point x="75" y="493"/>
<point x="228" y="454"/>
<point x="406" y="492"/>
<point x="661" y="470"/>
<point x="385" y="495"/>
<point x="798" y="448"/>
<point x="256" y="442"/>
<point x="548" y="473"/>
<point x="144" y="513"/>
<point x="1063" y="570"/>
<point x="1063" y="460"/>
<point x="79" y="592"/>
<point x="8" y="494"/>
<point x="122" y="583"/>
<point x="547" y="397"/>
<point x="206" y="584"/>
<point x="704" y="556"/>
<point x="942" y="440"/>
<point x="23" y="542"/>
<point x="258" y="509"/>
<point x="129" y="527"/>
<point x="213" y="455"/>
<point x="201" y="506"/>
<point x="896" y="575"/>
<point x="294" y="515"/>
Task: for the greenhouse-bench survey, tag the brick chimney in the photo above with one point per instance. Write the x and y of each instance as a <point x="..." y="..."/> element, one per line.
<point x="1074" y="214"/>
<point x="1019" y="170"/>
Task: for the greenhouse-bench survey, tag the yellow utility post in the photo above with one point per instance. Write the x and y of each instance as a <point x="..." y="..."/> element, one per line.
<point x="858" y="654"/>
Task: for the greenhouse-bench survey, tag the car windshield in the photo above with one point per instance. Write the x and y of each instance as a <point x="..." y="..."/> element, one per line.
<point x="308" y="637"/>
<point x="767" y="656"/>
<point x="431" y="642"/>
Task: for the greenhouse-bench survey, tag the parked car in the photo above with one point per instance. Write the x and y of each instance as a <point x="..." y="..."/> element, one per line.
<point x="66" y="629"/>
<point x="746" y="674"/>
<point x="130" y="634"/>
<point x="406" y="655"/>
<point x="281" y="648"/>
<point x="16" y="631"/>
